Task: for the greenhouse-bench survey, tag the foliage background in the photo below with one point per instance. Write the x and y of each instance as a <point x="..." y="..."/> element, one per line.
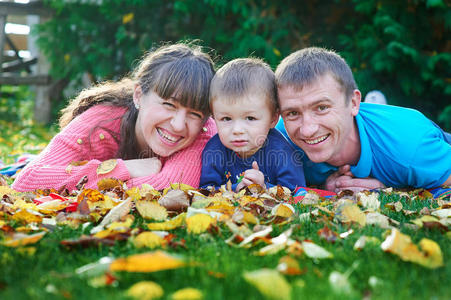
<point x="399" y="47"/>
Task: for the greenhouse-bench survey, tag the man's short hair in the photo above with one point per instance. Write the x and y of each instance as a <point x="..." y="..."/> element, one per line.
<point x="305" y="66"/>
<point x="245" y="76"/>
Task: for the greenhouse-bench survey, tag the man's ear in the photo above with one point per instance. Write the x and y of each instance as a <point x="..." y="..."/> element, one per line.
<point x="275" y="119"/>
<point x="355" y="102"/>
<point x="137" y="94"/>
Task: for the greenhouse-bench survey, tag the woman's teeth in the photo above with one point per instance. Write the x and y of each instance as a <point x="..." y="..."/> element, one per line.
<point x="166" y="136"/>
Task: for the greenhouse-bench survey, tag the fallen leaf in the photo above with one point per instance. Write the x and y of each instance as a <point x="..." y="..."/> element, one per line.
<point x="363" y="240"/>
<point x="327" y="234"/>
<point x="348" y="212"/>
<point x="187" y="294"/>
<point x="148" y="239"/>
<point x="147" y="262"/>
<point x="199" y="223"/>
<point x="106" y="166"/>
<point x="402" y="246"/>
<point x="145" y="290"/>
<point x="169" y="225"/>
<point x="289" y="266"/>
<point x="175" y="200"/>
<point x="314" y="251"/>
<point x="270" y="283"/>
<point x="369" y="200"/>
<point x="151" y="210"/>
<point x="20" y="239"/>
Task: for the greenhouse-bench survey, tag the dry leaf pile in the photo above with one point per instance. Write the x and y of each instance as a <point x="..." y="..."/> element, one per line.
<point x="251" y="219"/>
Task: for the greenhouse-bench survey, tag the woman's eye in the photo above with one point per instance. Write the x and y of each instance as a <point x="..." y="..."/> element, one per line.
<point x="169" y="104"/>
<point x="197" y="115"/>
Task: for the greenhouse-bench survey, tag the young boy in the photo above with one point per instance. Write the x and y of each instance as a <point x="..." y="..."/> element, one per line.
<point x="247" y="148"/>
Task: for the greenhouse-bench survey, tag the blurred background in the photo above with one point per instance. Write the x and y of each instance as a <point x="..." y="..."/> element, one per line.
<point x="401" y="48"/>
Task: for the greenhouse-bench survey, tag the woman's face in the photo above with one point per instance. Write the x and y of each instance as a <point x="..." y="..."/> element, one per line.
<point x="164" y="125"/>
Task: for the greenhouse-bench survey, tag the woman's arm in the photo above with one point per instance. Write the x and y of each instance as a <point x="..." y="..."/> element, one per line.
<point x="182" y="167"/>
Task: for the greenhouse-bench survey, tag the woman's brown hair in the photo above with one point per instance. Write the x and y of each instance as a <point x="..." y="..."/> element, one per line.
<point x="181" y="71"/>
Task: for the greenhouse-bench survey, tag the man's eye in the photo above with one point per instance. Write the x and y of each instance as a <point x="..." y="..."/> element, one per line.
<point x="322" y="108"/>
<point x="292" y="114"/>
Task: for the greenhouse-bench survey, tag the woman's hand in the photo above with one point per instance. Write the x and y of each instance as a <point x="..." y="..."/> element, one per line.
<point x="343" y="179"/>
<point x="251" y="176"/>
<point x="143" y="167"/>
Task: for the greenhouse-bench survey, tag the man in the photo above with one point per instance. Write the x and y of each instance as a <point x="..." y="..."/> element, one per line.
<point x="354" y="145"/>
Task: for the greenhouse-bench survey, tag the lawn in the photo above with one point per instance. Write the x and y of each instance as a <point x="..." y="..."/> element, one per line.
<point x="319" y="252"/>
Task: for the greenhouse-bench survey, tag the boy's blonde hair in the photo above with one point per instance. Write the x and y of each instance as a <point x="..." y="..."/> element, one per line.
<point x="241" y="77"/>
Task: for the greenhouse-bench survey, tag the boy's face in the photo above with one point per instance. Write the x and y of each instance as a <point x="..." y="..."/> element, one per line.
<point x="244" y="125"/>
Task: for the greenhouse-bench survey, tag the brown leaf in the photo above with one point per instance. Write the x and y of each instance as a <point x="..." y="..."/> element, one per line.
<point x="327" y="234"/>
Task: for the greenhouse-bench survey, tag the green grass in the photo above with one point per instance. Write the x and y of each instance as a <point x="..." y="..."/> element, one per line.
<point x="49" y="273"/>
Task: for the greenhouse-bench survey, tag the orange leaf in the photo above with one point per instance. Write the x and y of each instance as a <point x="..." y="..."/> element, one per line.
<point x="147" y="262"/>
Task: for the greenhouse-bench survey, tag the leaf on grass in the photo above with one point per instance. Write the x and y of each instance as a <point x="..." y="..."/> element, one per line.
<point x="175" y="200"/>
<point x="199" y="223"/>
<point x="289" y="266"/>
<point x="188" y="294"/>
<point x="148" y="239"/>
<point x="270" y="283"/>
<point x="115" y="214"/>
<point x="27" y="216"/>
<point x="369" y="200"/>
<point x="348" y="212"/>
<point x="340" y="283"/>
<point x="363" y="240"/>
<point x="147" y="262"/>
<point x="327" y="234"/>
<point x="109" y="184"/>
<point x="94" y="269"/>
<point x="145" y="290"/>
<point x="442" y="213"/>
<point x="401" y="245"/>
<point x="151" y="210"/>
<point x="283" y="210"/>
<point x="314" y="251"/>
<point x="20" y="239"/>
<point x="378" y="219"/>
<point x="169" y="225"/>
<point x="432" y="222"/>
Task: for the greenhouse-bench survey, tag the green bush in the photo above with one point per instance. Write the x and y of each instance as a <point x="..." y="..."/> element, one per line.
<point x="398" y="47"/>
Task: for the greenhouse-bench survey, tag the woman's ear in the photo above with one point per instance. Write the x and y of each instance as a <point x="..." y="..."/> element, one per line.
<point x="137" y="94"/>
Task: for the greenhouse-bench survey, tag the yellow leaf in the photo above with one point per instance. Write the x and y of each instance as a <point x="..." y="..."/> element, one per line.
<point x="127" y="18"/>
<point x="402" y="246"/>
<point x="187" y="294"/>
<point x="151" y="210"/>
<point x="168" y="225"/>
<point x="270" y="283"/>
<point x="148" y="239"/>
<point x="147" y="262"/>
<point x="145" y="290"/>
<point x="106" y="166"/>
<point x="349" y="212"/>
<point x="283" y="210"/>
<point x="20" y="239"/>
<point x="199" y="223"/>
<point x="181" y="186"/>
<point x="27" y="216"/>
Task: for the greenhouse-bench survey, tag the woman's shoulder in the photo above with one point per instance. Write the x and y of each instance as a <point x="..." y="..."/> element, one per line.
<point x="99" y="115"/>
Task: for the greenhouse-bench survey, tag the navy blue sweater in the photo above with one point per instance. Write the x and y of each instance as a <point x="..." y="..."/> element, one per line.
<point x="276" y="159"/>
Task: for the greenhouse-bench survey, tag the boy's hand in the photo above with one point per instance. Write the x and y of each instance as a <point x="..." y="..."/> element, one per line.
<point x="251" y="176"/>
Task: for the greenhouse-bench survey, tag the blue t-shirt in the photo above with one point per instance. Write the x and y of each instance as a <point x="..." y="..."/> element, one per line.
<point x="276" y="159"/>
<point x="399" y="146"/>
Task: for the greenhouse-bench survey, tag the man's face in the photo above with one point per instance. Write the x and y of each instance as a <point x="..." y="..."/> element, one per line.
<point x="318" y="120"/>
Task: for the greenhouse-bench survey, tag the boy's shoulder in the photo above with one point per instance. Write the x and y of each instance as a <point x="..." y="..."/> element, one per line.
<point x="214" y="143"/>
<point x="277" y="140"/>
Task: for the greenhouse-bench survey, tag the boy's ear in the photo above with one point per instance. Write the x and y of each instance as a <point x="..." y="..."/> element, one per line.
<point x="275" y="119"/>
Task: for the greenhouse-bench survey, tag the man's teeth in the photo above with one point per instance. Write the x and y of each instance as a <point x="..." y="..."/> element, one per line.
<point x="317" y="140"/>
<point x="169" y="138"/>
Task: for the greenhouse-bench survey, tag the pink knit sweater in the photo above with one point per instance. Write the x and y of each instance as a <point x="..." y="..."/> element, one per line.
<point x="51" y="168"/>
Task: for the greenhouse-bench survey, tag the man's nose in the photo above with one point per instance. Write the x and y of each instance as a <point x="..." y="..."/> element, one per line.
<point x="308" y="127"/>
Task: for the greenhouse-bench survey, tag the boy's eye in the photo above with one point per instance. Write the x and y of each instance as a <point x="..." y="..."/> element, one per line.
<point x="225" y="119"/>
<point x="250" y="118"/>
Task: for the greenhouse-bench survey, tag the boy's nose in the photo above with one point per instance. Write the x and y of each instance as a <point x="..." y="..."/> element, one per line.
<point x="237" y="128"/>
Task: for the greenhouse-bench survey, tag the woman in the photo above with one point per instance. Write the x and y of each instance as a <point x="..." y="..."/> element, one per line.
<point x="150" y="128"/>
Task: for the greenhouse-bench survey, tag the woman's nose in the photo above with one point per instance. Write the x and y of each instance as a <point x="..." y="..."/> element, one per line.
<point x="178" y="121"/>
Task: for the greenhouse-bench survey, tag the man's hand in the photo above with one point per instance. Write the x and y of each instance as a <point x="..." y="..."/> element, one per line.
<point x="343" y="179"/>
<point x="251" y="176"/>
<point x="143" y="167"/>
